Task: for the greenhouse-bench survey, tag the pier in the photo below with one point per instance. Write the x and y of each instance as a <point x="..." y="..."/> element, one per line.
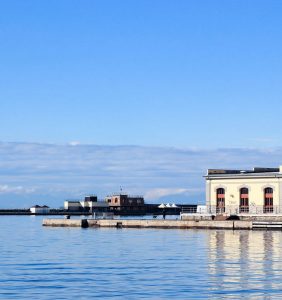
<point x="164" y="224"/>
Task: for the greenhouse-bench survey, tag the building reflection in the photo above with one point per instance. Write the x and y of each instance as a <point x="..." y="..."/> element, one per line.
<point x="245" y="262"/>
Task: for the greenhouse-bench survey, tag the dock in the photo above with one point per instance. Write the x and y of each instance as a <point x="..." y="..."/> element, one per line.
<point x="141" y="223"/>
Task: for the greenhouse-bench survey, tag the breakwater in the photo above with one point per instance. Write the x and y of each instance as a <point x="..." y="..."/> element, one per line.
<point x="165" y="224"/>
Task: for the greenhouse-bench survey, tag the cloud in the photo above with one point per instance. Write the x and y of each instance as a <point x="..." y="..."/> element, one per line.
<point x="163" y="192"/>
<point x="264" y="140"/>
<point x="57" y="172"/>
<point x="74" y="143"/>
<point x="6" y="189"/>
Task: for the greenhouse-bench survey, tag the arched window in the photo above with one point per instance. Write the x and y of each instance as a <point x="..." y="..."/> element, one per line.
<point x="244" y="200"/>
<point x="268" y="200"/>
<point x="220" y="200"/>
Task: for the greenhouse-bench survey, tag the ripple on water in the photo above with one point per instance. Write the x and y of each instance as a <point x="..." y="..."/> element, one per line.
<point x="62" y="263"/>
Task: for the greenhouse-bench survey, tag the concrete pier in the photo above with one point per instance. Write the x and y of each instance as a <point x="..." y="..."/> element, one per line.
<point x="168" y="224"/>
<point x="63" y="222"/>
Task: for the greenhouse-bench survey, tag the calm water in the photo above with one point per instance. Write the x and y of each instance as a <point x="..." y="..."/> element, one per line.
<point x="63" y="263"/>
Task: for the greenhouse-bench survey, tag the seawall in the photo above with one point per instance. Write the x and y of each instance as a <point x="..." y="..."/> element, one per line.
<point x="165" y="224"/>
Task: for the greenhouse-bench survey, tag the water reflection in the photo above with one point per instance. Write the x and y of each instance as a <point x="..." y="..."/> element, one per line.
<point x="245" y="263"/>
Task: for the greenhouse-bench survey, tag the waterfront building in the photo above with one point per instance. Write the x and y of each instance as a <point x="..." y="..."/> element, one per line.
<point x="89" y="204"/>
<point x="124" y="203"/>
<point x="244" y="192"/>
<point x="72" y="205"/>
<point x="37" y="209"/>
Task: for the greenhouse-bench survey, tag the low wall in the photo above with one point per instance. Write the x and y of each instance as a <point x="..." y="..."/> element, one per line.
<point x="62" y="222"/>
<point x="174" y="224"/>
<point x="262" y="218"/>
<point x="195" y="217"/>
<point x="169" y="224"/>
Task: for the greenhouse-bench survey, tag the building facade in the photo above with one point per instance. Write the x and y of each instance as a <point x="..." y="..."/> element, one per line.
<point x="252" y="192"/>
<point x="124" y="203"/>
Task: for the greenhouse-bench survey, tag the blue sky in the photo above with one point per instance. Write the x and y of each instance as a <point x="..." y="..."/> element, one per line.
<point x="155" y="73"/>
<point x="191" y="75"/>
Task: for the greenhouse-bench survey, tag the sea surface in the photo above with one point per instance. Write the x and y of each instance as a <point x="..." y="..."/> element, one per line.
<point x="37" y="262"/>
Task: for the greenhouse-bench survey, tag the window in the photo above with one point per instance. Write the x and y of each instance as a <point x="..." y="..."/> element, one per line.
<point x="220" y="200"/>
<point x="244" y="200"/>
<point x="268" y="200"/>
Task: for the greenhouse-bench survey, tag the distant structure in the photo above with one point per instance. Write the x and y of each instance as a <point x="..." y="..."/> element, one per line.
<point x="244" y="192"/>
<point x="89" y="204"/>
<point x="37" y="209"/>
<point x="121" y="204"/>
<point x="125" y="204"/>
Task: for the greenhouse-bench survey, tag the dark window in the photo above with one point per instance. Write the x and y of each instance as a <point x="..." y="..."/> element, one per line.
<point x="220" y="200"/>
<point x="268" y="200"/>
<point x="244" y="200"/>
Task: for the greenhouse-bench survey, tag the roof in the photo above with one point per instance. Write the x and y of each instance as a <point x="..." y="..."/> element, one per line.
<point x="256" y="172"/>
<point x="73" y="201"/>
<point x="124" y="195"/>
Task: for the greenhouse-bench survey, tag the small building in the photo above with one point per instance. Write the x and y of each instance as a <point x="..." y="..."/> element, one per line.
<point x="37" y="209"/>
<point x="89" y="204"/>
<point x="125" y="204"/>
<point x="244" y="192"/>
<point x="72" y="205"/>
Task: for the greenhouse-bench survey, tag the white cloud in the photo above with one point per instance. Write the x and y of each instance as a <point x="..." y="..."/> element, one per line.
<point x="162" y="192"/>
<point x="264" y="140"/>
<point x="62" y="171"/>
<point x="6" y="189"/>
<point x="74" y="143"/>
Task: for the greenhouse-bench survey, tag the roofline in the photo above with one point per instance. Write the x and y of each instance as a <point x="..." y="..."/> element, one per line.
<point x="244" y="175"/>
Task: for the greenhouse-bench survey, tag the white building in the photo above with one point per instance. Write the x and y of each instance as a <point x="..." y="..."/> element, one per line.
<point x="37" y="209"/>
<point x="89" y="204"/>
<point x="244" y="192"/>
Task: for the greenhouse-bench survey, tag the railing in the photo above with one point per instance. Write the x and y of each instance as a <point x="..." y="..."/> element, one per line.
<point x="251" y="209"/>
<point x="268" y="209"/>
<point x="189" y="210"/>
<point x="220" y="210"/>
<point x="244" y="209"/>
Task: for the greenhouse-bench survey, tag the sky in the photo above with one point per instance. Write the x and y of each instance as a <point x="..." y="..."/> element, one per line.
<point x="156" y="75"/>
<point x="33" y="173"/>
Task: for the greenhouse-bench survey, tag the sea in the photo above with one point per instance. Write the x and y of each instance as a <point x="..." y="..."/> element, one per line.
<point x="39" y="262"/>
